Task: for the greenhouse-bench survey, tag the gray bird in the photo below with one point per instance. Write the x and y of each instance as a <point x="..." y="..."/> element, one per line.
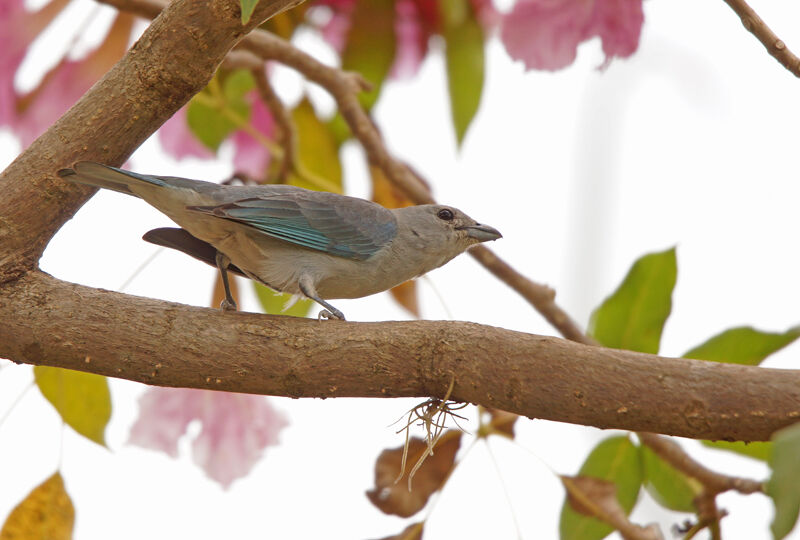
<point x="293" y="240"/>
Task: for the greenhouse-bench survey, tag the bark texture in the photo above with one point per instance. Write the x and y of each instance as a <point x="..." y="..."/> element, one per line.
<point x="54" y="323"/>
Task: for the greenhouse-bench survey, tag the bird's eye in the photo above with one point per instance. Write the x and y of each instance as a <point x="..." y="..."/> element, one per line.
<point x="445" y="214"/>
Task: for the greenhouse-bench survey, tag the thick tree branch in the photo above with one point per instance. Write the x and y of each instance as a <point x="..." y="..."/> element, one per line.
<point x="46" y="321"/>
<point x="774" y="45"/>
<point x="160" y="73"/>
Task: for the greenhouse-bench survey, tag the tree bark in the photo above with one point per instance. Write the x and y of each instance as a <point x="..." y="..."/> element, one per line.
<point x="50" y="322"/>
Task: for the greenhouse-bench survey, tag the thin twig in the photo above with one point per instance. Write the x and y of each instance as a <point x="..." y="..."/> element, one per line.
<point x="774" y="45"/>
<point x="283" y="120"/>
<point x="713" y="482"/>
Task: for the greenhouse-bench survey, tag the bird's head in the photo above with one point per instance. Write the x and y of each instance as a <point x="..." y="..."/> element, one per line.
<point x="439" y="227"/>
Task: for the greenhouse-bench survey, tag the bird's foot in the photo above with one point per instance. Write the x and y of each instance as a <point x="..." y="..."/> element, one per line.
<point x="330" y="314"/>
<point x="228" y="305"/>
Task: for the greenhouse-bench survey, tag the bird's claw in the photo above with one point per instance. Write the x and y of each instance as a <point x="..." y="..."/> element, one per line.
<point x="328" y="315"/>
<point x="228" y="305"/>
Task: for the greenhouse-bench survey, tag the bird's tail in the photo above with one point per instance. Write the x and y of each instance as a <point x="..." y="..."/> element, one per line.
<point x="103" y="176"/>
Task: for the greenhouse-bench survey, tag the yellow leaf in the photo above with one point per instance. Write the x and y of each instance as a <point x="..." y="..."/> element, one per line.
<point x="45" y="514"/>
<point x="82" y="399"/>
<point x="317" y="152"/>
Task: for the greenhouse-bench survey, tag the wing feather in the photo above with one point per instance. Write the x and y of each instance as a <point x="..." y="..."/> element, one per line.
<point x="335" y="224"/>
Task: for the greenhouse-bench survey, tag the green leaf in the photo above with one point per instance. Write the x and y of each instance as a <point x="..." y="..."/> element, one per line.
<point x="317" y="151"/>
<point x="784" y="484"/>
<point x="617" y="460"/>
<point x="633" y="316"/>
<point x="371" y="46"/>
<point x="82" y="399"/>
<point x="247" y="9"/>
<point x="221" y="108"/>
<point x="273" y="302"/>
<point x="743" y="345"/>
<point x="755" y="450"/>
<point x="463" y="38"/>
<point x="669" y="487"/>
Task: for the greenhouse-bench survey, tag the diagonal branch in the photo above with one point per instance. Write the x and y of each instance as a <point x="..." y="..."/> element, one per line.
<point x="713" y="482"/>
<point x="774" y="45"/>
<point x="174" y="59"/>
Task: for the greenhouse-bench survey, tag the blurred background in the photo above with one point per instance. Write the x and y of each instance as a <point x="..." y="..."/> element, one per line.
<point x="690" y="142"/>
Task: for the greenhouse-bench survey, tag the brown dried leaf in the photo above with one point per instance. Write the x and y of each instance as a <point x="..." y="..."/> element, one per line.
<point x="405" y="294"/>
<point x="593" y="497"/>
<point x="597" y="498"/>
<point x="218" y="295"/>
<point x="503" y="422"/>
<point x="394" y="497"/>
<point x="412" y="532"/>
<point x="45" y="514"/>
<point x="386" y="194"/>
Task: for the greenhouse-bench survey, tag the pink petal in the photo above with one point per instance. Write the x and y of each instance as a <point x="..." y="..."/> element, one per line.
<point x="486" y="13"/>
<point x="18" y="29"/>
<point x="67" y="82"/>
<point x="164" y="415"/>
<point x="61" y="88"/>
<point x="412" y="39"/>
<point x="545" y="34"/>
<point x="236" y="429"/>
<point x="178" y="140"/>
<point x="619" y="25"/>
<point x="336" y="29"/>
<point x="251" y="156"/>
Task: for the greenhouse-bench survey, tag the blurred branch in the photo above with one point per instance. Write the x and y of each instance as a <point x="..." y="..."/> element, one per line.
<point x="774" y="45"/>
<point x="713" y="482"/>
<point x="282" y="119"/>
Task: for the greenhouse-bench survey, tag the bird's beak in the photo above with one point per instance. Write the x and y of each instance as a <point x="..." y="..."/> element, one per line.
<point x="482" y="233"/>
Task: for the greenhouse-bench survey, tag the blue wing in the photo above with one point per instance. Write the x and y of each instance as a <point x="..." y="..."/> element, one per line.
<point x="335" y="224"/>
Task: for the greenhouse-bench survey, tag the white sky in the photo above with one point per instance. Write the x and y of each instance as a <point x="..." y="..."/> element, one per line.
<point x="692" y="142"/>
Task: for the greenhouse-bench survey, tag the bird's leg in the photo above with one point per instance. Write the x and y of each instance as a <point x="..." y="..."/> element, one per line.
<point x="330" y="312"/>
<point x="229" y="304"/>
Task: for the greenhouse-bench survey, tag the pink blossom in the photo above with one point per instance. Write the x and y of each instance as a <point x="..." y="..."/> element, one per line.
<point x="336" y="29"/>
<point x="619" y="24"/>
<point x="251" y="156"/>
<point x="545" y="34"/>
<point x="415" y="21"/>
<point x="236" y="428"/>
<point x="66" y="83"/>
<point x="60" y="89"/>
<point x="18" y="29"/>
<point x="178" y="140"/>
<point x="486" y="13"/>
<point x="412" y="39"/>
